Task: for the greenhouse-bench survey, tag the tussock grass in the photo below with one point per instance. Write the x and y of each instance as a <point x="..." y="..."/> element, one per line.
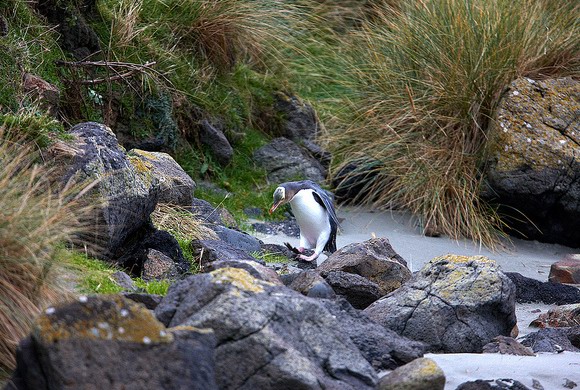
<point x="181" y="223"/>
<point x="431" y="74"/>
<point x="34" y="220"/>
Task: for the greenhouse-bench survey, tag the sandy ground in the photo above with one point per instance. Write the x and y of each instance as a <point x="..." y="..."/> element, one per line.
<point x="529" y="258"/>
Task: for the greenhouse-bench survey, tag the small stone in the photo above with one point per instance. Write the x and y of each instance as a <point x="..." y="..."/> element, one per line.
<point x="569" y="384"/>
<point x="420" y="374"/>
<point x="566" y="270"/>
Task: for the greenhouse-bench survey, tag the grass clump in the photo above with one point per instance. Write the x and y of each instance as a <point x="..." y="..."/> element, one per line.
<point x="431" y="74"/>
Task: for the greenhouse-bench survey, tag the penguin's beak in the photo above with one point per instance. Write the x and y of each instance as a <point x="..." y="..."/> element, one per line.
<point x="275" y="205"/>
<point x="279" y="197"/>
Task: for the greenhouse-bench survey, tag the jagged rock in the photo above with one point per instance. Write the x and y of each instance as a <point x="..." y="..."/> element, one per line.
<point x="554" y="340"/>
<point x="210" y="214"/>
<point x="377" y="270"/>
<point x="214" y="138"/>
<point x="123" y="197"/>
<point x="42" y="91"/>
<point x="380" y="346"/>
<point x="284" y="339"/>
<point x="176" y="187"/>
<point x="309" y="283"/>
<point x="506" y="346"/>
<point x="237" y="239"/>
<point x="150" y="301"/>
<point x="124" y="281"/>
<point x="454" y="304"/>
<point x="420" y="374"/>
<point x="558" y="317"/>
<point x="358" y="290"/>
<point x="566" y="270"/>
<point x="110" y="342"/>
<point x="283" y="161"/>
<point x="534" y="167"/>
<point x="208" y="251"/>
<point x="532" y="290"/>
<point x="254" y="268"/>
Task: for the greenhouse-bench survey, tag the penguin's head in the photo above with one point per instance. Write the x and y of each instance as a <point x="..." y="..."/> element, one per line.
<point x="279" y="198"/>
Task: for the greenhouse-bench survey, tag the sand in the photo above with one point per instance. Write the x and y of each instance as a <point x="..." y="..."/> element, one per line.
<point x="529" y="258"/>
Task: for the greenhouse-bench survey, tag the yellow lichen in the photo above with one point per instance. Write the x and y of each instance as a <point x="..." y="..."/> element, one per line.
<point x="110" y="318"/>
<point x="140" y="165"/>
<point x="239" y="278"/>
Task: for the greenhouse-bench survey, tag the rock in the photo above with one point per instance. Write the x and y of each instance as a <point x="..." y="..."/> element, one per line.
<point x="254" y="268"/>
<point x="420" y="374"/>
<point x="216" y="141"/>
<point x="288" y="227"/>
<point x="283" y="161"/>
<point x="285" y="340"/>
<point x="498" y="384"/>
<point x="41" y="91"/>
<point x="298" y="119"/>
<point x="157" y="266"/>
<point x="309" y="283"/>
<point x="353" y="181"/>
<point x="506" y="346"/>
<point x="123" y="195"/>
<point x="454" y="304"/>
<point x="566" y="270"/>
<point x="176" y="187"/>
<point x="110" y="342"/>
<point x="208" y="251"/>
<point x="237" y="239"/>
<point x="323" y="156"/>
<point x="374" y="260"/>
<point x="534" y="169"/>
<point x="558" y="317"/>
<point x="150" y="301"/>
<point x="124" y="281"/>
<point x="358" y="290"/>
<point x="554" y="340"/>
<point x="532" y="290"/>
<point x="210" y="214"/>
<point x="380" y="346"/>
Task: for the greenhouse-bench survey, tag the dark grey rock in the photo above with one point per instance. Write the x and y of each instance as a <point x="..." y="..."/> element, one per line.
<point x="309" y="283"/>
<point x="210" y="214"/>
<point x="284" y="160"/>
<point x="254" y="268"/>
<point x="554" y="340"/>
<point x="380" y="346"/>
<point x="532" y="290"/>
<point x="216" y="141"/>
<point x="420" y="374"/>
<point x="358" y="290"/>
<point x="158" y="266"/>
<point x="533" y="169"/>
<point x="110" y="342"/>
<point x="123" y="197"/>
<point x="284" y="339"/>
<point x="323" y="156"/>
<point x="150" y="301"/>
<point x="353" y="181"/>
<point x="498" y="384"/>
<point x="288" y="227"/>
<point x="375" y="270"/>
<point x="237" y="239"/>
<point x="124" y="281"/>
<point x="208" y="251"/>
<point x="454" y="304"/>
<point x="175" y="185"/>
<point x="298" y="119"/>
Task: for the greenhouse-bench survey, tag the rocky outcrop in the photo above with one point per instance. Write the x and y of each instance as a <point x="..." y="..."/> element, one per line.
<point x="285" y="340"/>
<point x="533" y="170"/>
<point x="112" y="343"/>
<point x="176" y="187"/>
<point x="284" y="160"/>
<point x="123" y="194"/>
<point x="454" y="304"/>
<point x="364" y="272"/>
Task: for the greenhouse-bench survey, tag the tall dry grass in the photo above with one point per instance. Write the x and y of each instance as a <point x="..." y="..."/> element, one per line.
<point x="430" y="75"/>
<point x="33" y="221"/>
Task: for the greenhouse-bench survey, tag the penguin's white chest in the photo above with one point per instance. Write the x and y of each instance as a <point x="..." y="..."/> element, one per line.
<point x="310" y="215"/>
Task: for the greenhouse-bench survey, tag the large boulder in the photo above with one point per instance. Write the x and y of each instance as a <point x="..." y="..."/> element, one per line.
<point x="533" y="170"/>
<point x="364" y="272"/>
<point x="284" y="160"/>
<point x="176" y="186"/>
<point x="268" y="336"/>
<point x="454" y="304"/>
<point x="124" y="195"/>
<point x="110" y="342"/>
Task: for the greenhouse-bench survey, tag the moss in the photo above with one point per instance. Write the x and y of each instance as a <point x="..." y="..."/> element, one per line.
<point x="98" y="318"/>
<point x="240" y="279"/>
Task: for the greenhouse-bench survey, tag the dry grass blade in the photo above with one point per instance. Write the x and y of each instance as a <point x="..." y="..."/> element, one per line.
<point x="181" y="222"/>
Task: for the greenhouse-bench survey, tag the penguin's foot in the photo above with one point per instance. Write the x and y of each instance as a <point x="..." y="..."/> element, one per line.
<point x="308" y="258"/>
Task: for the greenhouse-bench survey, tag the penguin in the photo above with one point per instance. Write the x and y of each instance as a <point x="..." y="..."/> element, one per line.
<point x="314" y="212"/>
